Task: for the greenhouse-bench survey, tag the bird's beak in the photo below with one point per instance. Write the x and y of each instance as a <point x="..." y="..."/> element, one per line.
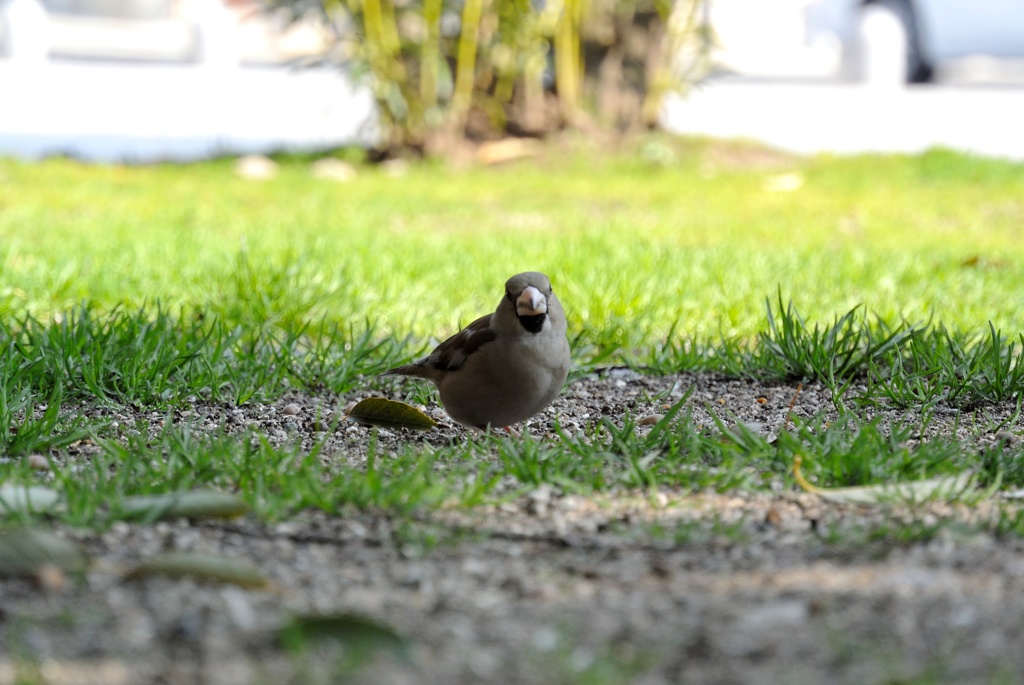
<point x="531" y="302"/>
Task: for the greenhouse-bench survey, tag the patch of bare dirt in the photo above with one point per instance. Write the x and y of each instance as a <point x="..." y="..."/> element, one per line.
<point x="549" y="587"/>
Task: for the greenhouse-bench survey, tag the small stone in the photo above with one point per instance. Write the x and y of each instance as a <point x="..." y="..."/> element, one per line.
<point x="541" y="494"/>
<point x="395" y="168"/>
<point x="50" y="578"/>
<point x="333" y="170"/>
<point x="507" y="150"/>
<point x="544" y="639"/>
<point x="476" y="567"/>
<point x="291" y="409"/>
<point x="783" y="183"/>
<point x="239" y="608"/>
<point x="38" y="462"/>
<point x="539" y="500"/>
<point x="1006" y="438"/>
<point x="287" y="528"/>
<point x="256" y="167"/>
<point x="650" y="419"/>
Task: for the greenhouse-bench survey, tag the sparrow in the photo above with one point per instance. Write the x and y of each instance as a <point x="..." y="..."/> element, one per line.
<point x="504" y="367"/>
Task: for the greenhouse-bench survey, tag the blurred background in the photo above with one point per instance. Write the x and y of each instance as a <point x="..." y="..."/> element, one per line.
<point x="145" y="80"/>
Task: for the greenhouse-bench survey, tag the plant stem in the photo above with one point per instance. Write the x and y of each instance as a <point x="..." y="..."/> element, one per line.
<point x="465" y="74"/>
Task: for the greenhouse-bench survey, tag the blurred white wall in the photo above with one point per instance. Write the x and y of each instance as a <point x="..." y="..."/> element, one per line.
<point x="783" y="78"/>
<point x="977" y="41"/>
<point x="149" y="80"/>
<point x="768" y="38"/>
<point x="165" y="30"/>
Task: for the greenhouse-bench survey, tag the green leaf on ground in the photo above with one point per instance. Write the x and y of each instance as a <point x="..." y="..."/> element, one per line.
<point x="24" y="551"/>
<point x="948" y="488"/>
<point x="210" y="567"/>
<point x="192" y="504"/>
<point x="361" y="635"/>
<point x="379" y="411"/>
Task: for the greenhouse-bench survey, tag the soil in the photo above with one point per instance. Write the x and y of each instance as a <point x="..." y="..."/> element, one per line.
<point x="741" y="587"/>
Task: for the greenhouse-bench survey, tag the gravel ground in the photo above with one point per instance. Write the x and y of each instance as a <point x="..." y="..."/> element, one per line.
<point x="549" y="588"/>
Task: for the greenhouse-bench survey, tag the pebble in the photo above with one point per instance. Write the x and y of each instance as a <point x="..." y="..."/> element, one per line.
<point x="544" y="639"/>
<point x="741" y="597"/>
<point x="291" y="409"/>
<point x="358" y="530"/>
<point x="256" y="168"/>
<point x="287" y="528"/>
<point x="333" y="169"/>
<point x="395" y="168"/>
<point x="239" y="608"/>
<point x="38" y="462"/>
<point x="1006" y="437"/>
<point x="473" y="566"/>
<point x="50" y="579"/>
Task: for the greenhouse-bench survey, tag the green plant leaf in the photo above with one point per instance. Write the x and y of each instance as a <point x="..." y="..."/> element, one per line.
<point x="379" y="411"/>
<point x="24" y="551"/>
<point x="211" y="567"/>
<point x="362" y="635"/>
<point x="193" y="504"/>
<point x="946" y="488"/>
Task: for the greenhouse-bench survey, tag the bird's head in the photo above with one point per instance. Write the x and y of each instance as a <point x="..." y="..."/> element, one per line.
<point x="529" y="293"/>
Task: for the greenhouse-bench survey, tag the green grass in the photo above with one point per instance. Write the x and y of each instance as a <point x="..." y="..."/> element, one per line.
<point x="633" y="248"/>
<point x="677" y="455"/>
<point x="159" y="287"/>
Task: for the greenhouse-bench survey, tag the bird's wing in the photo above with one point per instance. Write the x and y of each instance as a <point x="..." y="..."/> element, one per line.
<point x="453" y="352"/>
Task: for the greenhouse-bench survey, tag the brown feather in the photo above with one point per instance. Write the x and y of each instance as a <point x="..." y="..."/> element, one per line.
<point x="451" y="354"/>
